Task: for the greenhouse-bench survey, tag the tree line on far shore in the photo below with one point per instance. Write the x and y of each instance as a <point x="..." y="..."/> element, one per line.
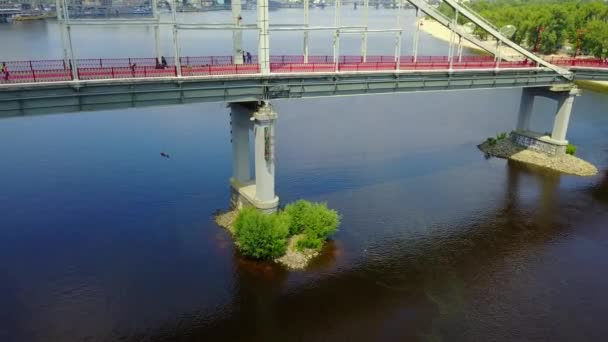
<point x="561" y="22"/>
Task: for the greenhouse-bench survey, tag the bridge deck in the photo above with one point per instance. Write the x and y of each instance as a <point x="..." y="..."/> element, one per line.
<point x="44" y="71"/>
<point x="113" y="87"/>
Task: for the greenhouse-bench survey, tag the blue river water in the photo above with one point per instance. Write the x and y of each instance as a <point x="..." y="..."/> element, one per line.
<point x="101" y="239"/>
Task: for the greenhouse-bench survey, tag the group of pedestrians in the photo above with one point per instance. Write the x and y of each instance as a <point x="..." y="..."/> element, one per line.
<point x="162" y="64"/>
<point x="5" y="71"/>
<point x="247" y="57"/>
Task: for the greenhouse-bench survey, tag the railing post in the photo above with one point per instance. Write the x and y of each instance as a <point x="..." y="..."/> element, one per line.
<point x="398" y="38"/>
<point x="306" y="23"/>
<point x="263" y="38"/>
<point x="156" y="16"/>
<point x="61" y="22"/>
<point x="416" y="36"/>
<point x="337" y="34"/>
<point x="177" y="62"/>
<point x="74" y="61"/>
<point x="365" y="23"/>
<point x="459" y="48"/>
<point x="452" y="36"/>
<point x="237" y="34"/>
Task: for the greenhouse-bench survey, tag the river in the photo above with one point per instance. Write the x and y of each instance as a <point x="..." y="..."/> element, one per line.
<point x="101" y="239"/>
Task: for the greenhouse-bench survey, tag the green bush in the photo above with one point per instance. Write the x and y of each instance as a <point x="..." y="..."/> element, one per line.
<point x="317" y="222"/>
<point x="310" y="242"/>
<point x="297" y="212"/>
<point x="262" y="236"/>
<point x="501" y="136"/>
<point x="571" y="149"/>
<point x="491" y="141"/>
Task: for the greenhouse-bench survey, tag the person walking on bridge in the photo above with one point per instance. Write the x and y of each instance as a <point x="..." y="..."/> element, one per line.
<point x="5" y="71"/>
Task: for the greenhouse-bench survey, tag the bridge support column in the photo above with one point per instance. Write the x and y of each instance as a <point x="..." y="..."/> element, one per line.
<point x="556" y="143"/>
<point x="525" y="109"/>
<point x="562" y="117"/>
<point x="239" y="132"/>
<point x="258" y="192"/>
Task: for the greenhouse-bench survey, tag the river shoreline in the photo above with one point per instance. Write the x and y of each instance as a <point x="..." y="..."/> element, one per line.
<point x="435" y="29"/>
<point x="441" y="32"/>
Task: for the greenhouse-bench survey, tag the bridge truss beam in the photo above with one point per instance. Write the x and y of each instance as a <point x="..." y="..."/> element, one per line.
<point x="62" y="97"/>
<point x="454" y="27"/>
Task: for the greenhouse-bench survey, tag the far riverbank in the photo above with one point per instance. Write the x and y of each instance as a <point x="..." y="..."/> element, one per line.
<point x="441" y="32"/>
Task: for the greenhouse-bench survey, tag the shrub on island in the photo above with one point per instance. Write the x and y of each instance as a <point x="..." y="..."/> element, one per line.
<point x="263" y="236"/>
<point x="571" y="149"/>
<point x="314" y="220"/>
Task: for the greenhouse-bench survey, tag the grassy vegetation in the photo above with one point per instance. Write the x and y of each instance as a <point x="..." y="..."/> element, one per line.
<point x="571" y="149"/>
<point x="492" y="141"/>
<point x="263" y="236"/>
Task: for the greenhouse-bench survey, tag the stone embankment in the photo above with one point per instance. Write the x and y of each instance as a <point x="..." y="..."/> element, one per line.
<point x="294" y="258"/>
<point x="566" y="163"/>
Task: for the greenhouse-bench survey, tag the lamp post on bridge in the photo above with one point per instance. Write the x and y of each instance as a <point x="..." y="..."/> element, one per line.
<point x="579" y="32"/>
<point x="539" y="32"/>
<point x="508" y="31"/>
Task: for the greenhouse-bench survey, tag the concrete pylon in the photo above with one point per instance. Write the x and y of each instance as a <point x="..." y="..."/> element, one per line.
<point x="239" y="132"/>
<point x="525" y="109"/>
<point x="556" y="143"/>
<point x="258" y="192"/>
<point x="562" y="116"/>
<point x="263" y="129"/>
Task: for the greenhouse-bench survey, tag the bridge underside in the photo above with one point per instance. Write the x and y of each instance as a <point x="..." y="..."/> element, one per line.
<point x="63" y="97"/>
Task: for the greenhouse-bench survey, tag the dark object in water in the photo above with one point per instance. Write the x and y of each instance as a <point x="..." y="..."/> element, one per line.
<point x="163" y="154"/>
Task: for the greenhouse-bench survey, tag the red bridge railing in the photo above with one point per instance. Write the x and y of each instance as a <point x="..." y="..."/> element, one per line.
<point x="120" y="68"/>
<point x="582" y="62"/>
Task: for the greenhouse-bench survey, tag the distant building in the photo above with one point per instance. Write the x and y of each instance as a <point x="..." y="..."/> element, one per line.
<point x="25" y="4"/>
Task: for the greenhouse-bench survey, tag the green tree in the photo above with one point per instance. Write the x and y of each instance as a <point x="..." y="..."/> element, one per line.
<point x="595" y="39"/>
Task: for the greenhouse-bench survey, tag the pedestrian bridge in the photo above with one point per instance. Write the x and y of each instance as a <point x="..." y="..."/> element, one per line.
<point x="73" y="84"/>
<point x="51" y="86"/>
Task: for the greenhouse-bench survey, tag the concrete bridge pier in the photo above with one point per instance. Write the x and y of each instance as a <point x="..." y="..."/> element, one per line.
<point x="556" y="143"/>
<point x="256" y="191"/>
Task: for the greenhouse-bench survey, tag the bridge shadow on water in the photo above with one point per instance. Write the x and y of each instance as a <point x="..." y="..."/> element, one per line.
<point x="439" y="287"/>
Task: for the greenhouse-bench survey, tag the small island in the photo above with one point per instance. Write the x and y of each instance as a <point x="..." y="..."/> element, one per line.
<point x="291" y="237"/>
<point x="504" y="146"/>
